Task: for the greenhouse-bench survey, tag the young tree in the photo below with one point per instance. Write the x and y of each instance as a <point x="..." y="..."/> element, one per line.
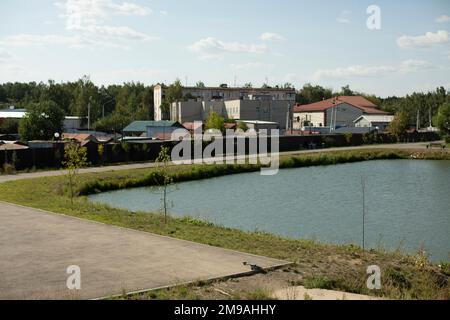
<point x="442" y="120"/>
<point x="215" y="121"/>
<point x="200" y="84"/>
<point x="75" y="157"/>
<point x="163" y="161"/>
<point x="399" y="125"/>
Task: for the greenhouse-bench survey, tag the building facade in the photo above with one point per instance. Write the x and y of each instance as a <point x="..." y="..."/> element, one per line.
<point x="335" y="112"/>
<point x="209" y="94"/>
<point x="279" y="111"/>
<point x="374" y="121"/>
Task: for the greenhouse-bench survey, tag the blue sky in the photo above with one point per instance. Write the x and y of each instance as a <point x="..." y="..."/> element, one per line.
<point x="321" y="42"/>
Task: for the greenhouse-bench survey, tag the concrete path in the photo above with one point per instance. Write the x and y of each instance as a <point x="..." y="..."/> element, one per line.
<point x="36" y="247"/>
<point x="301" y="293"/>
<point x="5" y="178"/>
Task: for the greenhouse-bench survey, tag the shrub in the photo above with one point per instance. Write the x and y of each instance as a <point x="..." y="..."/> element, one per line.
<point x="348" y="138"/>
<point x="9" y="168"/>
<point x="320" y="283"/>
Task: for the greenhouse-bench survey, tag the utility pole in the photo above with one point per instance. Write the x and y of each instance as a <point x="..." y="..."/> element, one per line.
<point x="429" y="115"/>
<point x="363" y="185"/>
<point x="418" y="120"/>
<point x="287" y="119"/>
<point x="89" y="114"/>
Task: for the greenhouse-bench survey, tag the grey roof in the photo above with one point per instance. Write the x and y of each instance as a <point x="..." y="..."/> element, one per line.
<point x="141" y="126"/>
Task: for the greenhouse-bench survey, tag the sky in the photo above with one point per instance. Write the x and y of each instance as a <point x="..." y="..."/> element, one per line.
<point x="404" y="48"/>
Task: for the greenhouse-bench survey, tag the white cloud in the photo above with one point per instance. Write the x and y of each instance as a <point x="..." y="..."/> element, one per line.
<point x="359" y="71"/>
<point x="163" y="13"/>
<point x="127" y="8"/>
<point x="79" y="13"/>
<point x="354" y="71"/>
<point x="442" y="19"/>
<point x="211" y="48"/>
<point x="32" y="39"/>
<point x="427" y="40"/>
<point x="413" y="65"/>
<point x="87" y="18"/>
<point x="125" y="33"/>
<point x="271" y="36"/>
<point x="85" y="25"/>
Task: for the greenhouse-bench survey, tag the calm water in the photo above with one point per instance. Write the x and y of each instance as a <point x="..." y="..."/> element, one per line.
<point x="407" y="203"/>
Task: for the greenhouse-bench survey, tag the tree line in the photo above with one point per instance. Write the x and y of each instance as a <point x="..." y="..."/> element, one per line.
<point x="111" y="108"/>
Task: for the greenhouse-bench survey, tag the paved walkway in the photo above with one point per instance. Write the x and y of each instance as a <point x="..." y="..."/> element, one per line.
<point x="5" y="178"/>
<point x="36" y="247"/>
<point x="301" y="293"/>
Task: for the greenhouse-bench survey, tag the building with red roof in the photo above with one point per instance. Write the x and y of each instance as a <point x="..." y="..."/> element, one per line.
<point x="339" y="111"/>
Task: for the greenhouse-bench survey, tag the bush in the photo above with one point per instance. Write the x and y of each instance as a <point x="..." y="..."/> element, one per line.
<point x="320" y="283"/>
<point x="9" y="168"/>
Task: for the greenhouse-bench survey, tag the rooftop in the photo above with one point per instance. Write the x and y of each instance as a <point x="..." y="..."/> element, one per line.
<point x="359" y="102"/>
<point x="375" y="118"/>
<point x="141" y="126"/>
<point x="234" y="88"/>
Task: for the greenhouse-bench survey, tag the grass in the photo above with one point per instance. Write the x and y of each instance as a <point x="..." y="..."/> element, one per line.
<point x="341" y="267"/>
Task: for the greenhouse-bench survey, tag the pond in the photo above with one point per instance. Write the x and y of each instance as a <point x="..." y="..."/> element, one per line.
<point x="407" y="203"/>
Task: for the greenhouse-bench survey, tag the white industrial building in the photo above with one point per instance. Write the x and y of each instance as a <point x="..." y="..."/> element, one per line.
<point x="381" y="122"/>
<point x="278" y="111"/>
<point x="70" y="123"/>
<point x="222" y="94"/>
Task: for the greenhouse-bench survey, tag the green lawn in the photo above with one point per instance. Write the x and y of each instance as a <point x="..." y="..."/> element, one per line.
<point x="342" y="267"/>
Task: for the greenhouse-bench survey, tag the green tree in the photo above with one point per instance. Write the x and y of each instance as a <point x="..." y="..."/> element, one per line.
<point x="174" y="92"/>
<point x="41" y="122"/>
<point x="310" y="94"/>
<point x="346" y="91"/>
<point x="215" y="121"/>
<point x="248" y="85"/>
<point x="442" y="120"/>
<point x="200" y="84"/>
<point x="75" y="157"/>
<point x="163" y="161"/>
<point x="399" y="125"/>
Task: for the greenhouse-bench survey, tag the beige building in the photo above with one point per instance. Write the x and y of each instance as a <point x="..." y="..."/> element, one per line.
<point x="212" y="94"/>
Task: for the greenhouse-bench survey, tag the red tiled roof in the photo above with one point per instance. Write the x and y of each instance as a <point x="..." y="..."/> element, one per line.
<point x="359" y="102"/>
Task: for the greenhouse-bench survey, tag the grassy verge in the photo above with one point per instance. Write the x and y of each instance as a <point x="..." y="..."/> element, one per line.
<point x="334" y="266"/>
